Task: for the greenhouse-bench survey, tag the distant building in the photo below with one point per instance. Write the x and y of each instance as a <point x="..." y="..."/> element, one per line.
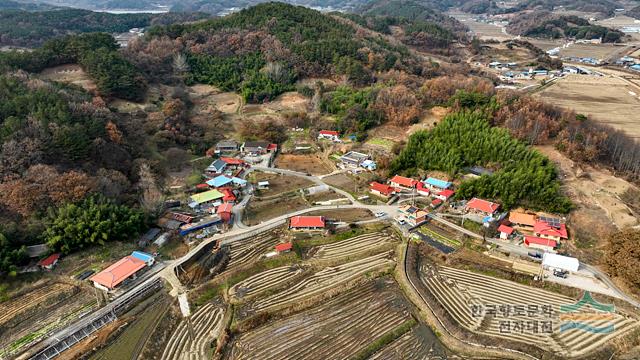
<point x="307" y="223"/>
<point x="413" y="215"/>
<point x="206" y="197"/>
<point x="329" y="135"/>
<point x="284" y="248"/>
<point x="556" y="231"/>
<point x="482" y="207"/>
<point x="560" y="262"/>
<point x="49" y="262"/>
<point x="225" y="211"/>
<point x="354" y="159"/>
<point x="546" y="245"/>
<point x="505" y="231"/>
<point x="445" y="195"/>
<point x="381" y="190"/>
<point x="403" y="182"/>
<point x="522" y="219"/>
<point x="226" y="146"/>
<point x="147" y="258"/>
<point x="437" y="184"/>
<point x="123" y="270"/>
<point x="258" y="147"/>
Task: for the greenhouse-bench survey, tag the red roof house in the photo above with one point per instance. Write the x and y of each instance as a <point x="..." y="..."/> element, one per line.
<point x="505" y="231"/>
<point x="445" y="195"/>
<point x="436" y="202"/>
<point x="381" y="189"/>
<point x="272" y="148"/>
<point x="232" y="161"/>
<point x="307" y="223"/>
<point x="329" y="132"/>
<point x="482" y="206"/>
<point x="49" y="262"/>
<point x="540" y="243"/>
<point x="285" y="247"/>
<point x="403" y="182"/>
<point x="202" y="186"/>
<point x="544" y="230"/>
<point x="225" y="211"/>
<point x="114" y="275"/>
<point x="229" y="195"/>
<point x="422" y="189"/>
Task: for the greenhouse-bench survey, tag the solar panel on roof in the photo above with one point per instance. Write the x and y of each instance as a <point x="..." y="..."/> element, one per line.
<point x="553" y="222"/>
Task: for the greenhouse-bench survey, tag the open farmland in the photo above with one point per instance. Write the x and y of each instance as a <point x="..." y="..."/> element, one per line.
<point x="610" y="100"/>
<point x="264" y="281"/>
<point x="72" y="74"/>
<point x="32" y="313"/>
<point x="206" y="324"/>
<point x="484" y="31"/>
<point x="250" y="250"/>
<point x="338" y="329"/>
<point x="353" y="247"/>
<point x="459" y="292"/>
<point x="322" y="281"/>
<point x="278" y="184"/>
<point x="306" y="163"/>
<point x="421" y="343"/>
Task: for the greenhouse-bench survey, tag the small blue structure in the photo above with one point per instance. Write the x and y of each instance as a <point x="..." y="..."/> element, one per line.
<point x="352" y="137"/>
<point x="437" y="183"/>
<point x="147" y="258"/>
<point x="219" y="181"/>
<point x="369" y="165"/>
<point x="635" y="67"/>
<point x="239" y="182"/>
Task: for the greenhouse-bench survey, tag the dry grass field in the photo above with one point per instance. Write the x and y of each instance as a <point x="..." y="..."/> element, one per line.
<point x="607" y="99"/>
<point x="72" y="74"/>
<point x="483" y="31"/>
<point x="307" y="163"/>
<point x="279" y="184"/>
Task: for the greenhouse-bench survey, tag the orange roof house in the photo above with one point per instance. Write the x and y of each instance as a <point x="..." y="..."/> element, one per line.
<point x="284" y="247"/>
<point x="401" y="181"/>
<point x="483" y="206"/>
<point x="522" y="219"/>
<point x="307" y="223"/>
<point x="118" y="272"/>
<point x="381" y="189"/>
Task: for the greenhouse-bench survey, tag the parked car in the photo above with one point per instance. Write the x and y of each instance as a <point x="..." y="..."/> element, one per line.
<point x="535" y="255"/>
<point x="380" y="214"/>
<point x="560" y="273"/>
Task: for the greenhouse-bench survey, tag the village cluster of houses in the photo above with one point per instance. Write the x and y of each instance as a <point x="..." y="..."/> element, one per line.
<point x="540" y="232"/>
<point x="254" y="148"/>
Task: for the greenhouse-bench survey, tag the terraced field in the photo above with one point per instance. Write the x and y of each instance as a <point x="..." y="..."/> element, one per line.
<point x="353" y="247"/>
<point x="250" y="250"/>
<point x="459" y="291"/>
<point x="338" y="329"/>
<point x="206" y="324"/>
<point x="413" y="345"/>
<point x="322" y="281"/>
<point x="264" y="281"/>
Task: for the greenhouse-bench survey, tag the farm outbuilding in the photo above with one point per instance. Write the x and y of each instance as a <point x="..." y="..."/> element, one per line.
<point x="113" y="276"/>
<point x="147" y="258"/>
<point x="534" y="242"/>
<point x="284" y="247"/>
<point x="49" y="262"/>
<point x="561" y="262"/>
<point x="505" y="231"/>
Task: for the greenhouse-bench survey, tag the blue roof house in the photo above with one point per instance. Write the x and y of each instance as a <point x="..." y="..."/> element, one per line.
<point x="147" y="258"/>
<point x="369" y="165"/>
<point x="219" y="181"/>
<point x="434" y="183"/>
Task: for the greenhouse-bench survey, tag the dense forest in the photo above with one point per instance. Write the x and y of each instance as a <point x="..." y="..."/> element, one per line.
<point x="260" y="51"/>
<point x="98" y="55"/>
<point x="33" y="28"/>
<point x="543" y="24"/>
<point x="522" y="176"/>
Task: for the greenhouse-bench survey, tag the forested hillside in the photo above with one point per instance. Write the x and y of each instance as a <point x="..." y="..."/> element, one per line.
<point x="33" y="28"/>
<point x="543" y="24"/>
<point x="604" y="8"/>
<point x="259" y="52"/>
<point x="58" y="145"/>
<point x="522" y="176"/>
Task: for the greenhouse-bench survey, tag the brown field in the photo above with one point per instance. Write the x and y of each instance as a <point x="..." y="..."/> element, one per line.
<point x="596" y="193"/>
<point x="72" y="74"/>
<point x="483" y="31"/>
<point x="338" y="329"/>
<point x="346" y="182"/>
<point x="285" y="103"/>
<point x="608" y="99"/>
<point x="259" y="211"/>
<point x="308" y="163"/>
<point x="345" y="215"/>
<point x="278" y="184"/>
